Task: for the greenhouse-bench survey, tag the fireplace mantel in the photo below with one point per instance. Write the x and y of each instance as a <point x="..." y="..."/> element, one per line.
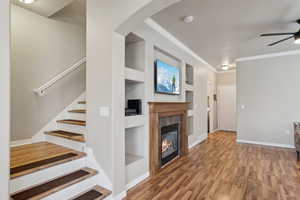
<point x="158" y="110"/>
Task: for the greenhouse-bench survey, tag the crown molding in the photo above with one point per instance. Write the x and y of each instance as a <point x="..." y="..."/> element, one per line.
<point x="152" y="24"/>
<point x="271" y="55"/>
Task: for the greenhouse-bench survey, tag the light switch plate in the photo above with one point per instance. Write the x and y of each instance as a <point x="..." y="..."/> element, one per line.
<point x="104" y="111"/>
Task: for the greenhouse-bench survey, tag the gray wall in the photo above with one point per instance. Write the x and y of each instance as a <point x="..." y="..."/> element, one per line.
<point x="269" y="90"/>
<point x="5" y="98"/>
<point x="41" y="49"/>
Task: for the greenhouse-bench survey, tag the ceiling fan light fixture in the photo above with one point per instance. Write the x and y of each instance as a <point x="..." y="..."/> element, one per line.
<point x="27" y="1"/>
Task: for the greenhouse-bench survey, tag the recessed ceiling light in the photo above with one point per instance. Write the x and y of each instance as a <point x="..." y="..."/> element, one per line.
<point x="27" y="1"/>
<point x="188" y="19"/>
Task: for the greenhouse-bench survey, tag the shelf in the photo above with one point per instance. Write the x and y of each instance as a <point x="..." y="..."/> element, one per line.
<point x="189" y="74"/>
<point x="134" y="75"/>
<point x="134" y="121"/>
<point x="131" y="158"/>
<point x="189" y="87"/>
<point x="189" y="97"/>
<point x="190" y="125"/>
<point x="190" y="113"/>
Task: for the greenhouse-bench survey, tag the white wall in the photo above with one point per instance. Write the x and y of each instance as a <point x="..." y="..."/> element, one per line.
<point x="226" y="84"/>
<point x="269" y="90"/>
<point x="41" y="49"/>
<point x="158" y="47"/>
<point x="104" y="136"/>
<point x="5" y="98"/>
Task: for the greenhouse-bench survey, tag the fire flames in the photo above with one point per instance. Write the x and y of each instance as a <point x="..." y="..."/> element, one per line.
<point x="166" y="145"/>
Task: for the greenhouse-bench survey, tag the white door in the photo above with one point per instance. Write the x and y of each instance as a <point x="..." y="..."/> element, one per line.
<point x="227" y="107"/>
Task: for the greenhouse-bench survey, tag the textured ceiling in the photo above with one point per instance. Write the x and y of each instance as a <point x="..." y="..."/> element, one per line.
<point x="226" y="30"/>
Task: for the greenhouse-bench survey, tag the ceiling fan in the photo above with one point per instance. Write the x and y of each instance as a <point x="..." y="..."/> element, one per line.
<point x="295" y="35"/>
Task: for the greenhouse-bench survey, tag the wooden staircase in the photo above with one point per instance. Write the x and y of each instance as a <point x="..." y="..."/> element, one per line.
<point x="56" y="168"/>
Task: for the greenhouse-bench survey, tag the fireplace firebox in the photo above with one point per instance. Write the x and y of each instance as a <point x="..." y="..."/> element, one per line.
<point x="170" y="143"/>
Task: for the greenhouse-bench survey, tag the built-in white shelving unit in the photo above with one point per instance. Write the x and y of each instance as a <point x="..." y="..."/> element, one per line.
<point x="135" y="128"/>
<point x="189" y="74"/>
<point x="190" y="125"/>
<point x="189" y="87"/>
<point x="134" y="75"/>
<point x="189" y="96"/>
<point x="134" y="121"/>
<point x="190" y="113"/>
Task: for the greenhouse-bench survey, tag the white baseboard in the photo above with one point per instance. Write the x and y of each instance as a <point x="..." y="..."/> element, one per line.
<point x="120" y="196"/>
<point x="137" y="181"/>
<point x="200" y="139"/>
<point x="266" y="144"/>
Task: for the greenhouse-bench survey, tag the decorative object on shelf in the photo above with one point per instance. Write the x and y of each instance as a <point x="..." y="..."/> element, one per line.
<point x="135" y="104"/>
<point x="297" y="138"/>
<point x="130" y="112"/>
<point x="167" y="78"/>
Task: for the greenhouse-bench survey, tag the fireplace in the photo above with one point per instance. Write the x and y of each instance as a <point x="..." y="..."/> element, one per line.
<point x="168" y="136"/>
<point x="170" y="143"/>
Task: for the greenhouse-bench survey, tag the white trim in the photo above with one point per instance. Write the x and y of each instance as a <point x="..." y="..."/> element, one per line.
<point x="41" y="91"/>
<point x="151" y="23"/>
<point x="266" y="144"/>
<point x="228" y="71"/>
<point x="120" y="196"/>
<point x="137" y="181"/>
<point x="271" y="55"/>
<point x="102" y="178"/>
<point x="200" y="139"/>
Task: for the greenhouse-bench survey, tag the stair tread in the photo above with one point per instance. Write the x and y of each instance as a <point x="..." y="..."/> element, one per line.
<point x="72" y="122"/>
<point x="67" y="135"/>
<point x="55" y="185"/>
<point x="81" y="102"/>
<point x="27" y="159"/>
<point x="82" y="111"/>
<point x="95" y="193"/>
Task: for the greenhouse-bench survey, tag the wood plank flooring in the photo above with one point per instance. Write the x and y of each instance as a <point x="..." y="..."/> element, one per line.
<point x="221" y="169"/>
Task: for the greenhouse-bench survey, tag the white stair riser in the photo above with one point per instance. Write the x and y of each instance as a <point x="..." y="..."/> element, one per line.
<point x="77" y="116"/>
<point x="78" y="146"/>
<point x="71" y="128"/>
<point x="44" y="175"/>
<point x="73" y="190"/>
<point x="80" y="106"/>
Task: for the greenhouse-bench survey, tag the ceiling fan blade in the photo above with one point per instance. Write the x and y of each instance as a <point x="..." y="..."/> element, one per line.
<point x="275" y="34"/>
<point x="281" y="41"/>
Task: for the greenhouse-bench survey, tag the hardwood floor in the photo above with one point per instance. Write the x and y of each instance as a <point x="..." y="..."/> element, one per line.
<point x="221" y="169"/>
